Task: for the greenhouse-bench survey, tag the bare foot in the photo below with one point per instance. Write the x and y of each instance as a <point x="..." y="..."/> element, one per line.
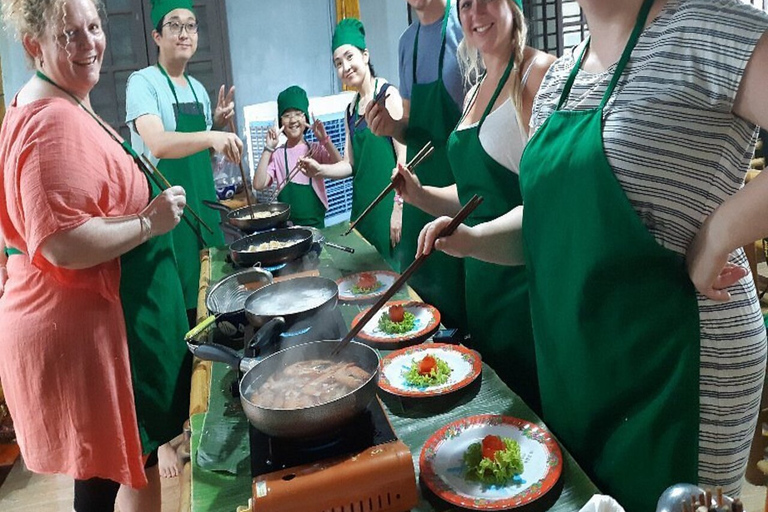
<point x="168" y="461"/>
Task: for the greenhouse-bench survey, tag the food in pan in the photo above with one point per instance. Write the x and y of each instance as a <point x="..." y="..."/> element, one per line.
<point x="397" y="320"/>
<point x="257" y="215"/>
<point x="309" y="383"/>
<point x="428" y="371"/>
<point x="366" y="283"/>
<point x="269" y="246"/>
<point x="494" y="461"/>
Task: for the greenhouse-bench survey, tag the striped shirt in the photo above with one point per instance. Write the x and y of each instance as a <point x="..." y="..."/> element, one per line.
<point x="678" y="151"/>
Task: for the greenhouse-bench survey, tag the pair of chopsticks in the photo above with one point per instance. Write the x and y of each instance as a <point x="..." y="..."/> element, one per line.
<point x="379" y="99"/>
<point x="290" y="175"/>
<point x="413" y="267"/>
<point x="422" y="155"/>
<point x="165" y="184"/>
<point x="242" y="171"/>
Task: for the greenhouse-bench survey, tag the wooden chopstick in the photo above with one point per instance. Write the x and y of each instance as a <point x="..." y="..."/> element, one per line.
<point x="379" y="99"/>
<point x="416" y="160"/>
<point x="167" y="184"/>
<point x="449" y="229"/>
<point x="242" y="171"/>
<point x="291" y="175"/>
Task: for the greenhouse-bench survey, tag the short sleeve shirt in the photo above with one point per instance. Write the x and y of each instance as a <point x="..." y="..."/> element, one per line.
<point x="429" y="55"/>
<point x="148" y="92"/>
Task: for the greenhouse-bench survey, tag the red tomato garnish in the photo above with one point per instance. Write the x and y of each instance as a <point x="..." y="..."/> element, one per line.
<point x="426" y="365"/>
<point x="366" y="281"/>
<point x="396" y="313"/>
<point x="491" y="445"/>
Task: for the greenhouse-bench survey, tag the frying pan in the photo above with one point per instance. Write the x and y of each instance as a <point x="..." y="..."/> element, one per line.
<point x="226" y="299"/>
<point x="292" y="300"/>
<point x="301" y="238"/>
<point x="317" y="236"/>
<point x="239" y="218"/>
<point x="306" y="422"/>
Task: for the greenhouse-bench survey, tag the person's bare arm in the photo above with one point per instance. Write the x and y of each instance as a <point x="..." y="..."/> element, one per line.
<point x="168" y="145"/>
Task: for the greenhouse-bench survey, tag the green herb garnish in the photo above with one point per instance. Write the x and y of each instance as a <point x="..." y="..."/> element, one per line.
<point x="388" y="326"/>
<point x="437" y="375"/>
<point x="496" y="471"/>
<point x="362" y="291"/>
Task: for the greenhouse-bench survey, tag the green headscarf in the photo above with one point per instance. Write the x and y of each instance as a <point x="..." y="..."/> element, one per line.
<point x="349" y="31"/>
<point x="292" y="97"/>
<point x="519" y="4"/>
<point x="162" y="7"/>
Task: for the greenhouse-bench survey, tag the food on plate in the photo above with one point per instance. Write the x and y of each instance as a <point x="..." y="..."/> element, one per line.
<point x="270" y="246"/>
<point x="258" y="215"/>
<point x="397" y="320"/>
<point x="366" y="283"/>
<point x="309" y="383"/>
<point x="493" y="461"/>
<point x="428" y="371"/>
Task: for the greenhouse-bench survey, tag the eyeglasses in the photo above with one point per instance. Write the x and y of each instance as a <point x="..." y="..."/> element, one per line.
<point x="291" y="116"/>
<point x="175" y="27"/>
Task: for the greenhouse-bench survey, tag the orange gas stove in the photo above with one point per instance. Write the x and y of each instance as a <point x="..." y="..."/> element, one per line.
<point x="362" y="468"/>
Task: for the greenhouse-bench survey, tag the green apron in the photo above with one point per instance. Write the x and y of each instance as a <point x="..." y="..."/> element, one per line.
<point x="433" y="115"/>
<point x="374" y="159"/>
<point x="306" y="208"/>
<point x="155" y="322"/>
<point x="615" y="316"/>
<point x="498" y="312"/>
<point x="195" y="174"/>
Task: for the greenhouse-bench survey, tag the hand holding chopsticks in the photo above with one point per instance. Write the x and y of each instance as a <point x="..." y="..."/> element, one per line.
<point x="422" y="155"/>
<point x="292" y="174"/>
<point x="243" y="176"/>
<point x="380" y="99"/>
<point x="448" y="230"/>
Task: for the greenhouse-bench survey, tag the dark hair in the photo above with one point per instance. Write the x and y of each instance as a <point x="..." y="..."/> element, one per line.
<point x="370" y="66"/>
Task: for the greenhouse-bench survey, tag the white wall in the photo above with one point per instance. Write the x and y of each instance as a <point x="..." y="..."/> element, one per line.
<point x="16" y="71"/>
<point x="384" y="21"/>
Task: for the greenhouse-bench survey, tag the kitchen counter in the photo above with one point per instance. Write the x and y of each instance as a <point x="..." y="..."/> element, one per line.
<point x="413" y="421"/>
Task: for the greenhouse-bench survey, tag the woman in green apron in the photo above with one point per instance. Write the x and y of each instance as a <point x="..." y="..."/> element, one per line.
<point x="307" y="196"/>
<point x="645" y="381"/>
<point x="367" y="157"/>
<point x="170" y="117"/>
<point x="485" y="163"/>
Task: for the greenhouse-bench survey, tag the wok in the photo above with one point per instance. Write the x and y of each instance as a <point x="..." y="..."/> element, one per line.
<point x="239" y="218"/>
<point x="301" y="238"/>
<point x="317" y="236"/>
<point x="307" y="422"/>
<point x="292" y="300"/>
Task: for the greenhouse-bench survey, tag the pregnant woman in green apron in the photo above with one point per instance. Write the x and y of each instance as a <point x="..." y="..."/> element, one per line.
<point x="367" y="157"/>
<point x="307" y="196"/>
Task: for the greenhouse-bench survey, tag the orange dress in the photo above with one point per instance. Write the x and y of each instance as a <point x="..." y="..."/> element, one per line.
<point x="64" y="361"/>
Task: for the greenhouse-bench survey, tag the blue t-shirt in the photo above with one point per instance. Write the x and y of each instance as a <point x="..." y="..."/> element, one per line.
<point x="429" y="54"/>
<point x="147" y="92"/>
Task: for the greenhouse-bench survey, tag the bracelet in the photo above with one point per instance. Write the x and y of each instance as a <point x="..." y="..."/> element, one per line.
<point x="399" y="200"/>
<point x="146" y="227"/>
<point x="269" y="149"/>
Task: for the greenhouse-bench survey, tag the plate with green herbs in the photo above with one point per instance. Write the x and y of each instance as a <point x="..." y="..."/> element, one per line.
<point x="490" y="462"/>
<point x="365" y="286"/>
<point x="429" y="369"/>
<point x="398" y="324"/>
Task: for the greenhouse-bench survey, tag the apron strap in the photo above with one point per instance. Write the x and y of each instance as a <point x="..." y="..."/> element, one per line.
<point x="496" y="93"/>
<point x="173" y="90"/>
<point x="10" y="251"/>
<point x="642" y="17"/>
<point x="443" y="30"/>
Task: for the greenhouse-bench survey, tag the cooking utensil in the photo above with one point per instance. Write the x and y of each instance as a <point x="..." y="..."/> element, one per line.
<point x="241" y="217"/>
<point x="300" y="239"/>
<point x="306" y="422"/>
<point x="242" y="171"/>
<point x="319" y="238"/>
<point x="423" y="154"/>
<point x="226" y="299"/>
<point x="290" y="175"/>
<point x="449" y="229"/>
<point x="292" y="300"/>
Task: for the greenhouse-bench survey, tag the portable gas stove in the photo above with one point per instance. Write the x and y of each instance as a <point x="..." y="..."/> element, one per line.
<point x="363" y="467"/>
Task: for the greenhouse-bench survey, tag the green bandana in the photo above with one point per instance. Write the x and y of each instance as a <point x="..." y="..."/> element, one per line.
<point x="349" y="31"/>
<point x="292" y="97"/>
<point x="519" y="4"/>
<point x="162" y="7"/>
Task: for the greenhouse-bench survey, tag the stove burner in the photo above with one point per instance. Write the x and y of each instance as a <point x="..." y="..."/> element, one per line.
<point x="295" y="333"/>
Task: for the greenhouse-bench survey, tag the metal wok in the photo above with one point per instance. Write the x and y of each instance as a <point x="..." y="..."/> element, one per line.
<point x="240" y="218"/>
<point x="292" y="300"/>
<point x="307" y="422"/>
<point x="317" y="236"/>
<point x="301" y="242"/>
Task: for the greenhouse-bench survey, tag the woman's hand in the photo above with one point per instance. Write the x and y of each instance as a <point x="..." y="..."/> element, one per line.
<point x="164" y="211"/>
<point x="379" y="120"/>
<point x="228" y="144"/>
<point x="708" y="266"/>
<point x="310" y="167"/>
<point x="459" y="244"/>
<point x="225" y="108"/>
<point x="407" y="184"/>
<point x="396" y="224"/>
<point x="318" y="128"/>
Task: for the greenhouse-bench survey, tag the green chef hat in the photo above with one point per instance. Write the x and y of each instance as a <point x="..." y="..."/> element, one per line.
<point x="162" y="7"/>
<point x="519" y="4"/>
<point x="349" y="31"/>
<point x="292" y="97"/>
